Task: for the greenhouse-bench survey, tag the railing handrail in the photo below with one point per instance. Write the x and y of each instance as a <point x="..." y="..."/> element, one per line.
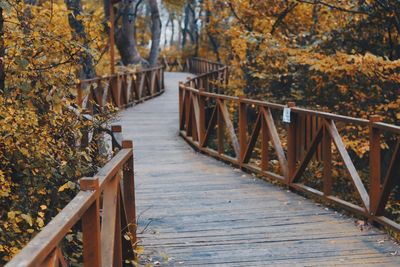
<point x="121" y="89"/>
<point x="108" y="77"/>
<point x="46" y="241"/>
<point x="43" y="248"/>
<point x="310" y="134"/>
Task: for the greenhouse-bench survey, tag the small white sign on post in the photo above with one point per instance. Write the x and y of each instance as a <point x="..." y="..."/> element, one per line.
<point x="286" y="115"/>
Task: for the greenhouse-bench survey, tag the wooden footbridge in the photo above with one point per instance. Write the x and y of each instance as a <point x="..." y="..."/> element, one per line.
<point x="195" y="210"/>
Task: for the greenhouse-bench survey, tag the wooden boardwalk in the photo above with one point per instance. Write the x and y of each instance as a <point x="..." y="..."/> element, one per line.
<point x="196" y="211"/>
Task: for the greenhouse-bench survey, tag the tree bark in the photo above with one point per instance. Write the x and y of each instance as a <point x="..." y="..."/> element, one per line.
<point x="2" y="52"/>
<point x="212" y="39"/>
<point x="185" y="26"/>
<point x="155" y="32"/>
<point x="125" y="37"/>
<point x="171" y="40"/>
<point x="78" y="33"/>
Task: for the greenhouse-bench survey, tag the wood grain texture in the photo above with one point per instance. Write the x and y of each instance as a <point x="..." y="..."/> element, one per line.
<point x="196" y="211"/>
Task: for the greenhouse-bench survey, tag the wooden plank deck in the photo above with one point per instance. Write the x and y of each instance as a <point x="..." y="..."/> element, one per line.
<point x="196" y="211"/>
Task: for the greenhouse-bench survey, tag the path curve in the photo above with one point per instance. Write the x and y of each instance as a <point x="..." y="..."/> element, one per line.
<point x="196" y="211"/>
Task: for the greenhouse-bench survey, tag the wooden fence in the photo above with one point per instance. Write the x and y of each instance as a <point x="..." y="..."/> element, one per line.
<point x="120" y="90"/>
<point x="174" y="64"/>
<point x="228" y="128"/>
<point x="105" y="210"/>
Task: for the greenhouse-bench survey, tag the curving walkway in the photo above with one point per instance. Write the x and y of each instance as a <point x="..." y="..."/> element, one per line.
<point x="196" y="211"/>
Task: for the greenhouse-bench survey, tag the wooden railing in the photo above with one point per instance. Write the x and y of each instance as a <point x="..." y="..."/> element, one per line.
<point x="228" y="128"/>
<point x="174" y="64"/>
<point x="120" y="90"/>
<point x="104" y="210"/>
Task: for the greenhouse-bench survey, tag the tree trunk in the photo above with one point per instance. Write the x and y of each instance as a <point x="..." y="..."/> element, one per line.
<point x="212" y="39"/>
<point x="78" y="33"/>
<point x="125" y="36"/>
<point x="171" y="41"/>
<point x="155" y="33"/>
<point x="180" y="33"/>
<point x="185" y="26"/>
<point x="2" y="52"/>
<point x="165" y="32"/>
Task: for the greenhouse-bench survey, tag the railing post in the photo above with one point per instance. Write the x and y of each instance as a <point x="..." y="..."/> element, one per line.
<point x="202" y="118"/>
<point x="129" y="193"/>
<point x="327" y="161"/>
<point x="242" y="128"/>
<point x="91" y="225"/>
<point x="264" y="144"/>
<point x="374" y="164"/>
<point x="220" y="128"/>
<point x="115" y="90"/>
<point x="180" y="105"/>
<point x="188" y="96"/>
<point x="116" y="131"/>
<point x="291" y="144"/>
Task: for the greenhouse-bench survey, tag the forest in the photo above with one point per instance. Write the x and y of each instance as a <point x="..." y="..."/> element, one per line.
<point x="335" y="56"/>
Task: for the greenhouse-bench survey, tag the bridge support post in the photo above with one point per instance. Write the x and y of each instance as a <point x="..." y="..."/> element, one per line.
<point x="128" y="195"/>
<point x="327" y="161"/>
<point x="374" y="164"/>
<point x="220" y="128"/>
<point x="242" y="128"/>
<point x="202" y="118"/>
<point x="116" y="131"/>
<point x="291" y="144"/>
<point x="91" y="225"/>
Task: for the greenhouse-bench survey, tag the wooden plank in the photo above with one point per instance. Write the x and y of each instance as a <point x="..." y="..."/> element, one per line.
<point x="391" y="179"/>
<point x="198" y="211"/>
<point x="307" y="157"/>
<point x="276" y="142"/>
<point x="253" y="139"/>
<point x="210" y="126"/>
<point x="229" y="126"/>
<point x="91" y="225"/>
<point x="355" y="178"/>
<point x="108" y="223"/>
<point x="47" y="239"/>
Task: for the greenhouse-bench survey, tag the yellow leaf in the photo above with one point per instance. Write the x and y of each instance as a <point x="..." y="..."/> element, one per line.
<point x="40" y="222"/>
<point x="67" y="185"/>
<point x="139" y="250"/>
<point x="11" y="215"/>
<point x="27" y="218"/>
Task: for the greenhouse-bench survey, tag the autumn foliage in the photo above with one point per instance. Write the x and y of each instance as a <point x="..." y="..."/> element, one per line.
<point x="40" y="153"/>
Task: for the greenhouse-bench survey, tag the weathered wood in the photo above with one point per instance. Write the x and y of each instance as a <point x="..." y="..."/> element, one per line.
<point x="128" y="195"/>
<point x="276" y="142"/>
<point x="292" y="146"/>
<point x="242" y="128"/>
<point x="327" y="158"/>
<point x="355" y="178"/>
<point x="120" y="89"/>
<point x="307" y="157"/>
<point x="229" y="126"/>
<point x="375" y="164"/>
<point x="391" y="179"/>
<point x="91" y="225"/>
<point x="46" y="240"/>
<point x="218" y="215"/>
<point x="110" y="205"/>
